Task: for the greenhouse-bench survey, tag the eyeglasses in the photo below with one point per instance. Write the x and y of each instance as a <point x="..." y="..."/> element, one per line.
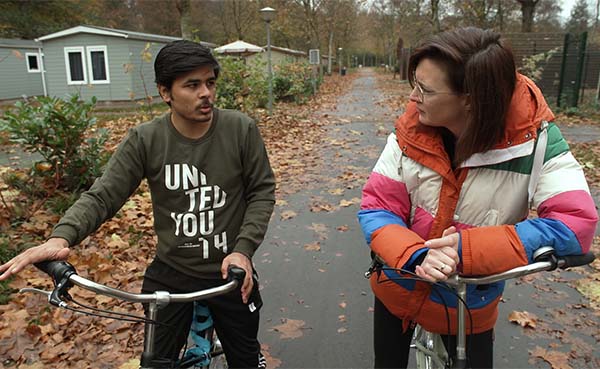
<point x="421" y="94"/>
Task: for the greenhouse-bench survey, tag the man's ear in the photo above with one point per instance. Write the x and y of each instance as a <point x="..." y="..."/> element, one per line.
<point x="165" y="93"/>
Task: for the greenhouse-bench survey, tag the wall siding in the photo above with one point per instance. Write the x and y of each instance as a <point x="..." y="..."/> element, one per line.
<point x="124" y="60"/>
<point x="16" y="80"/>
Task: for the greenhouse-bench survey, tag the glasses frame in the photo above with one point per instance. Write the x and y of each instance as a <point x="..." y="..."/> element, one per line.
<point x="421" y="94"/>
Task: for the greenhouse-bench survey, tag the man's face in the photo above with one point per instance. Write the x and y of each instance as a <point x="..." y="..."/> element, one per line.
<point x="192" y="95"/>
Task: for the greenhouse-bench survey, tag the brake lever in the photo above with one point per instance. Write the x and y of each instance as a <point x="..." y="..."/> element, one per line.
<point x="48" y="295"/>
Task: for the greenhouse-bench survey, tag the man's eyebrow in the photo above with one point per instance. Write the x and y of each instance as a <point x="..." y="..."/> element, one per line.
<point x="197" y="80"/>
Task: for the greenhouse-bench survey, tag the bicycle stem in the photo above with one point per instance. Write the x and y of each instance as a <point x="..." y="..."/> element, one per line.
<point x="461" y="336"/>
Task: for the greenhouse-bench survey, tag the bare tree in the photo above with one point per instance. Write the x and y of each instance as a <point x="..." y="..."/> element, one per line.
<point x="312" y="9"/>
<point x="528" y="11"/>
<point x="185" y="18"/>
<point x="238" y="17"/>
<point x="435" y="16"/>
<point x="597" y="18"/>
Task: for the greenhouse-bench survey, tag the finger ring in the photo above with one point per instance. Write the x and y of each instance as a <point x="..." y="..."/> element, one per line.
<point x="441" y="269"/>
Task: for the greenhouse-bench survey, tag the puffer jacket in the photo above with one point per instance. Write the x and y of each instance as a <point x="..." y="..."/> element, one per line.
<point x="413" y="194"/>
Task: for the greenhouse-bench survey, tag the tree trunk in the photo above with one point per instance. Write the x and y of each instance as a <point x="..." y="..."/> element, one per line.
<point x="185" y="18"/>
<point x="435" y="16"/>
<point x="596" y="25"/>
<point x="330" y="50"/>
<point x="527" y="10"/>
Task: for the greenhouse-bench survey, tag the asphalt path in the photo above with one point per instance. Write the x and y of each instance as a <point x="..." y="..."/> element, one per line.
<point x="317" y="309"/>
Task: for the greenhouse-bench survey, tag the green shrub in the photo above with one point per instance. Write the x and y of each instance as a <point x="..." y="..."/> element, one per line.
<point x="533" y="65"/>
<point x="241" y="86"/>
<point x="293" y="82"/>
<point x="63" y="133"/>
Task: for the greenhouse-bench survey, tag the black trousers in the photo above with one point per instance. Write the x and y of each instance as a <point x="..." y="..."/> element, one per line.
<point x="236" y="323"/>
<point x="392" y="346"/>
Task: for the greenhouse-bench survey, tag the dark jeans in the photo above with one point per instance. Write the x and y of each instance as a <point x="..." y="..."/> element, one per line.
<point x="392" y="346"/>
<point x="236" y="323"/>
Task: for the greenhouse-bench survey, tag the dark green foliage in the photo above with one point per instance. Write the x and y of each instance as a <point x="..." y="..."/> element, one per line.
<point x="241" y="86"/>
<point x="293" y="82"/>
<point x="64" y="134"/>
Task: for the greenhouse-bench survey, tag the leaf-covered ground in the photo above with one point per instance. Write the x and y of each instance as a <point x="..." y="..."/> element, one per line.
<point x="35" y="336"/>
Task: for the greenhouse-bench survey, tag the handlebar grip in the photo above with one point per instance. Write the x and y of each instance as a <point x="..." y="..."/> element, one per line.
<point x="236" y="273"/>
<point x="576" y="260"/>
<point x="57" y="269"/>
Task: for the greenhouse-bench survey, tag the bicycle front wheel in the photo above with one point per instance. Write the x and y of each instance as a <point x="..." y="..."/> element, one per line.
<point x="431" y="352"/>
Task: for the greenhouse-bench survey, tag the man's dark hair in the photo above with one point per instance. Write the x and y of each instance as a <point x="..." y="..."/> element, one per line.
<point x="179" y="57"/>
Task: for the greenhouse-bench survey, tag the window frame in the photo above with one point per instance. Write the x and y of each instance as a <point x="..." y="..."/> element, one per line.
<point x="89" y="50"/>
<point x="71" y="49"/>
<point x="39" y="63"/>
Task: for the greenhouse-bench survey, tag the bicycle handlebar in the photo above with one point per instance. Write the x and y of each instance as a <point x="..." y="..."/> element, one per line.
<point x="551" y="263"/>
<point x="65" y="276"/>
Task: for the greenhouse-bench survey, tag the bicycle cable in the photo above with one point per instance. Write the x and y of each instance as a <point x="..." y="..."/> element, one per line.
<point x="414" y="277"/>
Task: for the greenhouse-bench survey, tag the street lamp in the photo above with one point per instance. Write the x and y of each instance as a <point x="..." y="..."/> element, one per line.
<point x="340" y="61"/>
<point x="268" y="14"/>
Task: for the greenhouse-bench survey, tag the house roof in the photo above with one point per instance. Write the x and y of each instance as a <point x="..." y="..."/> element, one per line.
<point x="105" y="31"/>
<point x="288" y="51"/>
<point x="239" y="47"/>
<point x="17" y="43"/>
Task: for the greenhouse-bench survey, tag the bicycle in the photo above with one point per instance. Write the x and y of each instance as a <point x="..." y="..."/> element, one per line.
<point x="431" y="352"/>
<point x="65" y="277"/>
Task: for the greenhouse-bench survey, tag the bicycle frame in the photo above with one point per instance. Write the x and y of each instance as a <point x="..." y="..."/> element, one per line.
<point x="460" y="285"/>
<point x="429" y="343"/>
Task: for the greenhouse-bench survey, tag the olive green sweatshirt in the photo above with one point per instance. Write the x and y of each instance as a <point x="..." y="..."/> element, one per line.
<point x="210" y="196"/>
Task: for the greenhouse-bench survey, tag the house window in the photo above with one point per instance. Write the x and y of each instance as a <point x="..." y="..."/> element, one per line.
<point x="76" y="74"/>
<point x="98" y="64"/>
<point x="33" y="62"/>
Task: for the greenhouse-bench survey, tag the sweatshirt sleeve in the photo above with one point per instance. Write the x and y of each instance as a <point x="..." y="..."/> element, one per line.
<point x="385" y="210"/>
<point x="566" y="221"/>
<point x="120" y="179"/>
<point x="259" y="183"/>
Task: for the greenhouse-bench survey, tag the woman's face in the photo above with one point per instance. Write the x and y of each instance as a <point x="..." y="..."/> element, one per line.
<point x="437" y="104"/>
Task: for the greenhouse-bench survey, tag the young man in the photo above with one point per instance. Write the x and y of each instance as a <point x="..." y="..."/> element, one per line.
<point x="212" y="194"/>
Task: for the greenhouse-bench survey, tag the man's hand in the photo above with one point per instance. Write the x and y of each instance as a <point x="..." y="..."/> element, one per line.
<point x="442" y="258"/>
<point x="53" y="249"/>
<point x="242" y="261"/>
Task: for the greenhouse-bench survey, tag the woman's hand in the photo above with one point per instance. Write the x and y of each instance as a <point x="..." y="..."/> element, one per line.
<point x="442" y="258"/>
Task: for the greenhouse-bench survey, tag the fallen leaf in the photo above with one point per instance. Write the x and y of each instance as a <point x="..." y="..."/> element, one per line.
<point x="272" y="362"/>
<point x="288" y="214"/>
<point x="131" y="364"/>
<point x="557" y="359"/>
<point x="345" y="203"/>
<point x="290" y="328"/>
<point x="315" y="246"/>
<point x="523" y="318"/>
<point x="342" y="228"/>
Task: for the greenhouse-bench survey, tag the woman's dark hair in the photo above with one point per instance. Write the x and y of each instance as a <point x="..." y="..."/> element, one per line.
<point x="481" y="64"/>
<point x="179" y="57"/>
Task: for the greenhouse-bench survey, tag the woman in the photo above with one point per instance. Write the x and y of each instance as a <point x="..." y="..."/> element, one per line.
<point x="452" y="190"/>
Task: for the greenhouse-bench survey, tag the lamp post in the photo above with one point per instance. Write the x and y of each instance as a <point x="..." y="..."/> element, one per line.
<point x="340" y="61"/>
<point x="268" y="14"/>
